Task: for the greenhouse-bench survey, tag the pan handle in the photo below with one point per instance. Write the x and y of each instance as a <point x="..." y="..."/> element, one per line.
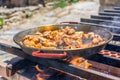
<point x="70" y="22"/>
<point x="53" y="55"/>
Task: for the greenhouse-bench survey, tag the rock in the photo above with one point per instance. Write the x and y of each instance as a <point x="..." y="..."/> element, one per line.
<point x="5" y="12"/>
<point x="33" y="2"/>
<point x="40" y="5"/>
<point x="1" y="27"/>
<point x="32" y="8"/>
<point x="3" y="16"/>
<point x="15" y="18"/>
<point x="5" y="27"/>
<point x="18" y="13"/>
<point x="18" y="3"/>
<point x="15" y="9"/>
<point x="50" y="4"/>
<point x="63" y="13"/>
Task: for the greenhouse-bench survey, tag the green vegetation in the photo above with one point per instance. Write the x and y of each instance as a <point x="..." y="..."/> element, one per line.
<point x="74" y="1"/>
<point x="29" y="14"/>
<point x="1" y="21"/>
<point x="61" y="3"/>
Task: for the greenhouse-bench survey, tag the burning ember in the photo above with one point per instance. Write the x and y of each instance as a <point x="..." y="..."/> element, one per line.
<point x="80" y="61"/>
<point x="110" y="53"/>
<point x="55" y="74"/>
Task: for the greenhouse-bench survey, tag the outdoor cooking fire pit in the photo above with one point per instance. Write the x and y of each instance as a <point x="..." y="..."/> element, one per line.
<point x="104" y="65"/>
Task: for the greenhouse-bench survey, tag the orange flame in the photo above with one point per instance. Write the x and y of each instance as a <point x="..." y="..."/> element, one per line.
<point x="41" y="75"/>
<point x="38" y="77"/>
<point x="80" y="61"/>
<point x="38" y="69"/>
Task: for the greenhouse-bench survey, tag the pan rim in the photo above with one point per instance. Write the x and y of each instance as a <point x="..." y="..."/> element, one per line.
<point x="46" y="49"/>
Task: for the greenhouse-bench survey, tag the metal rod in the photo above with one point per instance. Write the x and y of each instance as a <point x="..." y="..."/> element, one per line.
<point x="67" y="73"/>
<point x="104" y="17"/>
<point x="109" y="14"/>
<point x="112" y="11"/>
<point x="61" y="65"/>
<point x="117" y="8"/>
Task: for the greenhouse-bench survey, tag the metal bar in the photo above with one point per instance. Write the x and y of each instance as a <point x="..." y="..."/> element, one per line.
<point x="99" y="25"/>
<point x="106" y="68"/>
<point x="102" y="17"/>
<point x="61" y="65"/>
<point x="117" y="8"/>
<point x="112" y="11"/>
<point x="67" y="73"/>
<point x="109" y="14"/>
<point x="98" y="21"/>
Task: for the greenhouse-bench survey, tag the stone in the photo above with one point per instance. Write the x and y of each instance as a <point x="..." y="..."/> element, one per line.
<point x="3" y="16"/>
<point x="5" y="12"/>
<point x="18" y="13"/>
<point x="32" y="8"/>
<point x="40" y="5"/>
<point x="15" y="18"/>
<point x="33" y="2"/>
<point x="18" y="3"/>
<point x="50" y="4"/>
<point x="63" y="13"/>
<point x="15" y="9"/>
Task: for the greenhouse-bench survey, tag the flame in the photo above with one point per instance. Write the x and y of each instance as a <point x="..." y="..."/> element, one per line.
<point x="38" y="77"/>
<point x="80" y="61"/>
<point x="41" y="75"/>
<point x="38" y="69"/>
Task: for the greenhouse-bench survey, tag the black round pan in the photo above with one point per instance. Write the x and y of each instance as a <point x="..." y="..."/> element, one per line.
<point x="60" y="53"/>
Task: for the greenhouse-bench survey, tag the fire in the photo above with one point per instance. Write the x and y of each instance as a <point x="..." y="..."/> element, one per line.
<point x="80" y="61"/>
<point x="38" y="69"/>
<point x="38" y="77"/>
<point x="41" y="75"/>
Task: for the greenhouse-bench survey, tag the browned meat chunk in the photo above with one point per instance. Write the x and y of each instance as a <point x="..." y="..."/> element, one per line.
<point x="66" y="38"/>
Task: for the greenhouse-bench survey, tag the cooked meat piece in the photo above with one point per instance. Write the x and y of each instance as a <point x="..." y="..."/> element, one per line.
<point x="91" y="34"/>
<point x="49" y="44"/>
<point x="81" y="62"/>
<point x="71" y="31"/>
<point x="66" y="38"/>
<point x="29" y="43"/>
<point x="95" y="40"/>
<point x="39" y="45"/>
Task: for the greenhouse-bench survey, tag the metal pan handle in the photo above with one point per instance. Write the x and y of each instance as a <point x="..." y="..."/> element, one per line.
<point x="53" y="55"/>
<point x="69" y="22"/>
